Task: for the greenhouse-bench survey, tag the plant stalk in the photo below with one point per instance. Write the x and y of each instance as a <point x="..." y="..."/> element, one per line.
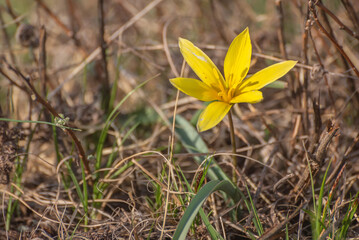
<point x="233" y="141"/>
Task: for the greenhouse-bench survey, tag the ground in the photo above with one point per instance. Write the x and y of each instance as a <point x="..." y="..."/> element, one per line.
<point x="88" y="148"/>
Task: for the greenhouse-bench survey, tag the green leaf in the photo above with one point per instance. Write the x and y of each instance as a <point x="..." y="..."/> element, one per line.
<point x="211" y="230"/>
<point x="197" y="202"/>
<point x="278" y="84"/>
<point x="194" y="143"/>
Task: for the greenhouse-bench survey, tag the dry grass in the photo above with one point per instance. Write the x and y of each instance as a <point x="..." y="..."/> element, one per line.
<point x="56" y="45"/>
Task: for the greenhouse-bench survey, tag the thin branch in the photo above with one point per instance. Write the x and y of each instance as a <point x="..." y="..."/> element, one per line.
<point x="305" y="38"/>
<point x="351" y="12"/>
<point x="112" y="38"/>
<point x="42" y="60"/>
<point x="13" y="82"/>
<point x="330" y="37"/>
<point x="54" y="17"/>
<point x="166" y="49"/>
<point x="344" y="58"/>
<point x="280" y="30"/>
<point x="234" y="147"/>
<point x="336" y="19"/>
<point x="104" y="75"/>
<point x="322" y="66"/>
<point x="272" y="231"/>
<point x="47" y="105"/>
<point x="60" y="23"/>
<point x="73" y="22"/>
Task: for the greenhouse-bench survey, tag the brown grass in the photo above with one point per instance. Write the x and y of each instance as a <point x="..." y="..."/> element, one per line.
<point x="58" y="50"/>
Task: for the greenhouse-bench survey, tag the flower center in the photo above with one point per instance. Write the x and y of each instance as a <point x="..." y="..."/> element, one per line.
<point x="227" y="92"/>
<point x="225" y="89"/>
<point x="226" y="95"/>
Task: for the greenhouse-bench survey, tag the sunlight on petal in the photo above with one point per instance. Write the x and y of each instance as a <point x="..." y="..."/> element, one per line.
<point x="200" y="63"/>
<point x="238" y="58"/>
<point x="235" y="88"/>
<point x="249" y="97"/>
<point x="195" y="88"/>
<point x="266" y="76"/>
<point x="212" y="115"/>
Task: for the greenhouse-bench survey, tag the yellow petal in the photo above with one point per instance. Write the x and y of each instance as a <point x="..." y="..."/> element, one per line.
<point x="212" y="115"/>
<point x="238" y="58"/>
<point x="249" y="97"/>
<point x="201" y="64"/>
<point x="195" y="88"/>
<point x="266" y="76"/>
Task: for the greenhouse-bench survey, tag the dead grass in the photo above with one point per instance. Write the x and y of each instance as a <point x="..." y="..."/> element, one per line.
<point x="312" y="122"/>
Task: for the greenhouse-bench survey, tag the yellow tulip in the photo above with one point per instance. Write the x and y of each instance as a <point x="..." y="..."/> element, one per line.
<point x="233" y="88"/>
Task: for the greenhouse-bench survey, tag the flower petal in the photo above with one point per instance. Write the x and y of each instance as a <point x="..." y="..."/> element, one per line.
<point x="266" y="76"/>
<point x="238" y="59"/>
<point x="249" y="97"/>
<point x="201" y="64"/>
<point x="195" y="88"/>
<point x="212" y="115"/>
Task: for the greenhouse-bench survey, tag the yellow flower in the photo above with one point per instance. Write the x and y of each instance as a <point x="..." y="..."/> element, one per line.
<point x="233" y="88"/>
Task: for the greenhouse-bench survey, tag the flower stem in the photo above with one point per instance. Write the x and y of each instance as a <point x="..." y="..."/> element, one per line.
<point x="233" y="141"/>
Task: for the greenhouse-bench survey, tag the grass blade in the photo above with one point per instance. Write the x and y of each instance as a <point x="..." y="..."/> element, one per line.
<point x="41" y="122"/>
<point x="194" y="143"/>
<point x="197" y="202"/>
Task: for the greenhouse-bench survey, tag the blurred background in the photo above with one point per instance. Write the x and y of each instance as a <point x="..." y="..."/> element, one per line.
<point x="85" y="57"/>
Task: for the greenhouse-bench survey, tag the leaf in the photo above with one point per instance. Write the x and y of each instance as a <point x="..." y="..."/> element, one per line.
<point x="277" y="84"/>
<point x="197" y="202"/>
<point x="194" y="143"/>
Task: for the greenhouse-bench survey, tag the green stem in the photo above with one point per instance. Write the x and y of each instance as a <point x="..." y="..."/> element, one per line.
<point x="233" y="141"/>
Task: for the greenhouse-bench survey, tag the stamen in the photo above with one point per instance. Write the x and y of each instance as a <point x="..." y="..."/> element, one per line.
<point x="230" y="93"/>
